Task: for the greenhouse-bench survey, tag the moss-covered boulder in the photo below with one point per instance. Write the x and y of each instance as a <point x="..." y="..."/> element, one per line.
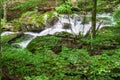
<point x="10" y="38"/>
<point x="34" y="21"/>
<point x="53" y="43"/>
<point x="45" y="43"/>
<point x="6" y="38"/>
<point x="10" y="26"/>
<point x="31" y="21"/>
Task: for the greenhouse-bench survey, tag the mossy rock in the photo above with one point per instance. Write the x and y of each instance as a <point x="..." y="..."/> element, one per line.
<point x="64" y="34"/>
<point x="16" y="25"/>
<point x="33" y="21"/>
<point x="48" y="42"/>
<point x="66" y="25"/>
<point x="45" y="43"/>
<point x="6" y="38"/>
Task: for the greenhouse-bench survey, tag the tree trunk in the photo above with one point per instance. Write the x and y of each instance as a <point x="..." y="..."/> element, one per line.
<point x="94" y="18"/>
<point x="5" y="11"/>
<point x="93" y="31"/>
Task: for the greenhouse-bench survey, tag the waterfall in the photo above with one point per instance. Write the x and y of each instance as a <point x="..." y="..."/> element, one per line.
<point x="72" y="24"/>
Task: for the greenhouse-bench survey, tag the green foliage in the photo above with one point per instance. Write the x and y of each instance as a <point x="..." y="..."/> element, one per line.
<point x="103" y="66"/>
<point x="72" y="64"/>
<point x="44" y="43"/>
<point x="16" y="24"/>
<point x="42" y="77"/>
<point x="116" y="16"/>
<point x="106" y="38"/>
<point x="36" y="19"/>
<point x="40" y="61"/>
<point x="29" y="4"/>
<point x="1" y="12"/>
<point x="6" y="38"/>
<point x="63" y="8"/>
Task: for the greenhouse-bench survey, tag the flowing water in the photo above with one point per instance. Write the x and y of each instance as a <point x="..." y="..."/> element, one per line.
<point x="75" y="25"/>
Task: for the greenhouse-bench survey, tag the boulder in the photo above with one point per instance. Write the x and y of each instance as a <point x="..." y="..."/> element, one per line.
<point x="52" y="21"/>
<point x="31" y="21"/>
<point x="54" y="43"/>
<point x="10" y="26"/>
<point x="45" y="43"/>
<point x="34" y="21"/>
<point x="66" y="25"/>
<point x="10" y="38"/>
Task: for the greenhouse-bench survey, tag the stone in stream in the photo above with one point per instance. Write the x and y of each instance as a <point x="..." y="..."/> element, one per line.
<point x="66" y="25"/>
<point x="52" y="21"/>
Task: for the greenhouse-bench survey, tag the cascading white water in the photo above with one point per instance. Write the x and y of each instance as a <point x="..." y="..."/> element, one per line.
<point x="7" y="33"/>
<point x="76" y="26"/>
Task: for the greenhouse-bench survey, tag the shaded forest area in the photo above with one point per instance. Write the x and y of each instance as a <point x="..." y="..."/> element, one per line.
<point x="60" y="40"/>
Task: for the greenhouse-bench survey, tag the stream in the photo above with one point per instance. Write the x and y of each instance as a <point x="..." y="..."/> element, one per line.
<point x="75" y="25"/>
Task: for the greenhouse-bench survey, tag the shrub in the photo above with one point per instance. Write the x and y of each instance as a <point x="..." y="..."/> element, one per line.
<point x="63" y="8"/>
<point x="74" y="64"/>
<point x="116" y="16"/>
<point x="29" y="4"/>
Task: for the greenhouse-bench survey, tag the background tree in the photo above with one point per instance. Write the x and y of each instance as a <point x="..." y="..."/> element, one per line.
<point x="5" y="11"/>
<point x="93" y="31"/>
<point x="94" y="18"/>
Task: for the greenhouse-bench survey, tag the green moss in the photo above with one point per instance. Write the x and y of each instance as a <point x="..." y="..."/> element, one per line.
<point x="7" y="38"/>
<point x="69" y="64"/>
<point x="50" y="14"/>
<point x="37" y="19"/>
<point x="44" y="43"/>
<point x="16" y="25"/>
<point x="29" y="13"/>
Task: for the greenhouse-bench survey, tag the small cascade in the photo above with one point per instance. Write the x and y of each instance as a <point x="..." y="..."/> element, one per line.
<point x="107" y="19"/>
<point x="24" y="43"/>
<point x="7" y="33"/>
<point x="72" y="24"/>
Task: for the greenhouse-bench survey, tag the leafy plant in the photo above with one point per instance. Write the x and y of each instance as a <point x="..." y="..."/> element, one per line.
<point x="29" y="4"/>
<point x="63" y="8"/>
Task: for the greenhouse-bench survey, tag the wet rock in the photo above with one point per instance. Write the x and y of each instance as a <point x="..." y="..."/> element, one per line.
<point x="66" y="26"/>
<point x="32" y="27"/>
<point x="75" y="8"/>
<point x="68" y="40"/>
<point x="85" y="20"/>
<point x="52" y="21"/>
<point x="64" y="34"/>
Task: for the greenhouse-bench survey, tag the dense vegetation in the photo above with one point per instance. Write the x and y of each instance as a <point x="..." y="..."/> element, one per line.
<point x="62" y="56"/>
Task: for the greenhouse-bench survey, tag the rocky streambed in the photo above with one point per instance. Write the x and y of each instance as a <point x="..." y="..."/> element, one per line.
<point x="52" y="23"/>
